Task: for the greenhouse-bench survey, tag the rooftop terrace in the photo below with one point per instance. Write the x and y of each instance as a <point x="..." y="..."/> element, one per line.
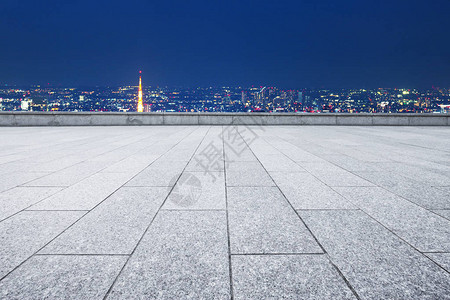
<point x="220" y="212"/>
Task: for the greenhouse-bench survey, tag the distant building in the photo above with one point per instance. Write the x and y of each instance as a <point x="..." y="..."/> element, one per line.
<point x="243" y="97"/>
<point x="38" y="103"/>
<point x="24" y="105"/>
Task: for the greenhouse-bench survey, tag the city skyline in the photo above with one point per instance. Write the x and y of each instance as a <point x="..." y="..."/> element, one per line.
<point x="143" y="98"/>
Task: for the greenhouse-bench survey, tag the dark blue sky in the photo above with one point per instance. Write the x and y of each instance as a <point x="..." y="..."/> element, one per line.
<point x="291" y="44"/>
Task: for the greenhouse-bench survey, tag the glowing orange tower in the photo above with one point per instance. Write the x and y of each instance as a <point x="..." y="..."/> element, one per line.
<point x="140" y="106"/>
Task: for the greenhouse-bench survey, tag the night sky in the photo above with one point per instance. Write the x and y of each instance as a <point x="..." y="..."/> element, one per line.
<point x="290" y="44"/>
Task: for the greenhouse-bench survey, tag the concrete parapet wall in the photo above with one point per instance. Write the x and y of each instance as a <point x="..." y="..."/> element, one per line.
<point x="125" y="119"/>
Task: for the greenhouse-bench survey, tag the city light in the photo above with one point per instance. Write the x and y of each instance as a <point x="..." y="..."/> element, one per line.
<point x="143" y="98"/>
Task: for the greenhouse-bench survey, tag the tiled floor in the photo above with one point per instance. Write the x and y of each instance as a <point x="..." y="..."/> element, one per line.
<point x="223" y="212"/>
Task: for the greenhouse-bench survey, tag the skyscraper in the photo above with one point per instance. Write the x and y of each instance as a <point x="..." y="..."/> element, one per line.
<point x="140" y="106"/>
<point x="243" y="97"/>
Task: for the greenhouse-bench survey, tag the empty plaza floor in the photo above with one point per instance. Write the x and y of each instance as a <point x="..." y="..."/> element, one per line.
<point x="225" y="212"/>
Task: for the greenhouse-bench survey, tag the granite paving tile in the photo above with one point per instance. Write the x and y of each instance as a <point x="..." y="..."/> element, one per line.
<point x="10" y="158"/>
<point x="161" y="173"/>
<point x="11" y="180"/>
<point x="385" y="178"/>
<point x="423" y="175"/>
<point x="198" y="190"/>
<point x="247" y="174"/>
<point x="444" y="188"/>
<point x="320" y="167"/>
<point x="113" y="227"/>
<point x="262" y="221"/>
<point x="236" y="166"/>
<point x="70" y="175"/>
<point x="19" y="198"/>
<point x="84" y="195"/>
<point x="287" y="277"/>
<point x="304" y="191"/>
<point x="443" y="212"/>
<point x="299" y="155"/>
<point x="51" y="166"/>
<point x="209" y="156"/>
<point x="184" y="255"/>
<point x="425" y="196"/>
<point x="351" y="164"/>
<point x="279" y="163"/>
<point x="442" y="259"/>
<point x="421" y="228"/>
<point x="132" y="164"/>
<point x="341" y="178"/>
<point x="376" y="263"/>
<point x="25" y="233"/>
<point x="181" y="154"/>
<point x="238" y="154"/>
<point x="62" y="277"/>
<point x="206" y="163"/>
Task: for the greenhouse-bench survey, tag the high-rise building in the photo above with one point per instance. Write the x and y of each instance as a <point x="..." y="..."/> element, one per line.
<point x="140" y="106"/>
<point x="243" y="97"/>
<point x="24" y="104"/>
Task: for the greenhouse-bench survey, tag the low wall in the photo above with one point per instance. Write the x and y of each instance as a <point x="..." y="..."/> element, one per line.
<point x="123" y="119"/>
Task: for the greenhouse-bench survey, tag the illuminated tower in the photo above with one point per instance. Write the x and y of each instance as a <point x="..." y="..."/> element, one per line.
<point x="140" y="106"/>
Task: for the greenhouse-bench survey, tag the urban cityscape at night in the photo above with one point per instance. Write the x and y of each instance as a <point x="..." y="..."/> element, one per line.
<point x="225" y="99"/>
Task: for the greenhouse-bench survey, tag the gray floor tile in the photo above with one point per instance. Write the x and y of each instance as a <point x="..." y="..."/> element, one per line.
<point x="341" y="178"/>
<point x="19" y="198"/>
<point x="25" y="233"/>
<point x="351" y="164"/>
<point x="212" y="163"/>
<point x="425" y="176"/>
<point x="8" y="180"/>
<point x="279" y="163"/>
<point x="442" y="259"/>
<point x="62" y="277"/>
<point x="421" y="228"/>
<point x="299" y="155"/>
<point x="198" y="190"/>
<point x="262" y="221"/>
<point x="132" y="164"/>
<point x="113" y="227"/>
<point x="419" y="193"/>
<point x="444" y="188"/>
<point x="444" y="213"/>
<point x="84" y="195"/>
<point x="184" y="255"/>
<point x="70" y="175"/>
<point x="248" y="176"/>
<point x="320" y="167"/>
<point x="236" y="166"/>
<point x="425" y="196"/>
<point x="238" y="152"/>
<point x="287" y="277"/>
<point x="376" y="263"/>
<point x="384" y="178"/>
<point x="160" y="173"/>
<point x="304" y="191"/>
